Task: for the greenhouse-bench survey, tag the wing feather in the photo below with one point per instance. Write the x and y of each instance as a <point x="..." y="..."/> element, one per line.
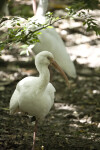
<point x="14" y="101"/>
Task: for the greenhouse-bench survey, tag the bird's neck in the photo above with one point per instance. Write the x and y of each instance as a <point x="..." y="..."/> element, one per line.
<point x="42" y="8"/>
<point x="44" y="77"/>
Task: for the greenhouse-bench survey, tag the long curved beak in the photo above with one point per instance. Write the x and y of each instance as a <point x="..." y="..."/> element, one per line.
<point x="60" y="70"/>
<point x="34" y="6"/>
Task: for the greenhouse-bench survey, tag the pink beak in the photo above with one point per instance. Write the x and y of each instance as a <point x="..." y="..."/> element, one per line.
<point x="60" y="70"/>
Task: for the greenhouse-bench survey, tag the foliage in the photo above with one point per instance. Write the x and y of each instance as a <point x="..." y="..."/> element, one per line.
<point x="85" y="4"/>
<point x="27" y="31"/>
<point x="24" y="31"/>
<point x="86" y="18"/>
<point x="81" y="8"/>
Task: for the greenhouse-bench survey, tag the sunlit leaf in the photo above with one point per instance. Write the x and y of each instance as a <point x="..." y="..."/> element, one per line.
<point x="24" y="46"/>
<point x="49" y="27"/>
<point x="23" y="52"/>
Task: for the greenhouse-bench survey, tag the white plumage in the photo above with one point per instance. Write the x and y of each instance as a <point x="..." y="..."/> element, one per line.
<point x="28" y="97"/>
<point x="51" y="41"/>
<point x="35" y="95"/>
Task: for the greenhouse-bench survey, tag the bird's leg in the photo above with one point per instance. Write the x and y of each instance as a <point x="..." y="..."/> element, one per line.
<point x="34" y="135"/>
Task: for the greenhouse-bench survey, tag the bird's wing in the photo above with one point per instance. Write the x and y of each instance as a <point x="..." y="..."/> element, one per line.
<point x="14" y="105"/>
<point x="14" y="101"/>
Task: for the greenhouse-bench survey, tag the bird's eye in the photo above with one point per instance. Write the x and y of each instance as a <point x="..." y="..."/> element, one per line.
<point x="48" y="58"/>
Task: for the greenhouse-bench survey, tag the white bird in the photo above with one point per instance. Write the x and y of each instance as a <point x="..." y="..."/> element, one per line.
<point x="51" y="41"/>
<point x="35" y="95"/>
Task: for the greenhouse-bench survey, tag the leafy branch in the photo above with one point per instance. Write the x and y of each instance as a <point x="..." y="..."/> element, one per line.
<point x="26" y="32"/>
<point x="85" y="17"/>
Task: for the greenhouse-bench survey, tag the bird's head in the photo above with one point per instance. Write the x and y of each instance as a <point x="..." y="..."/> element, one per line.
<point x="45" y="58"/>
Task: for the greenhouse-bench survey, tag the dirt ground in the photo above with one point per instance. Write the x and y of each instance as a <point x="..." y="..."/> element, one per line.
<point x="74" y="121"/>
<point x="72" y="124"/>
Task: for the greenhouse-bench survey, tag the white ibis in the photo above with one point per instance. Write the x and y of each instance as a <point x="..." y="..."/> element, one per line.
<point x="51" y="41"/>
<point x="35" y="95"/>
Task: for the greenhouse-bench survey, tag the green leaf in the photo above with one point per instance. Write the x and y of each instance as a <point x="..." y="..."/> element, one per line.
<point x="23" y="52"/>
<point x="24" y="46"/>
<point x="49" y="27"/>
<point x="1" y="47"/>
<point x="84" y="23"/>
